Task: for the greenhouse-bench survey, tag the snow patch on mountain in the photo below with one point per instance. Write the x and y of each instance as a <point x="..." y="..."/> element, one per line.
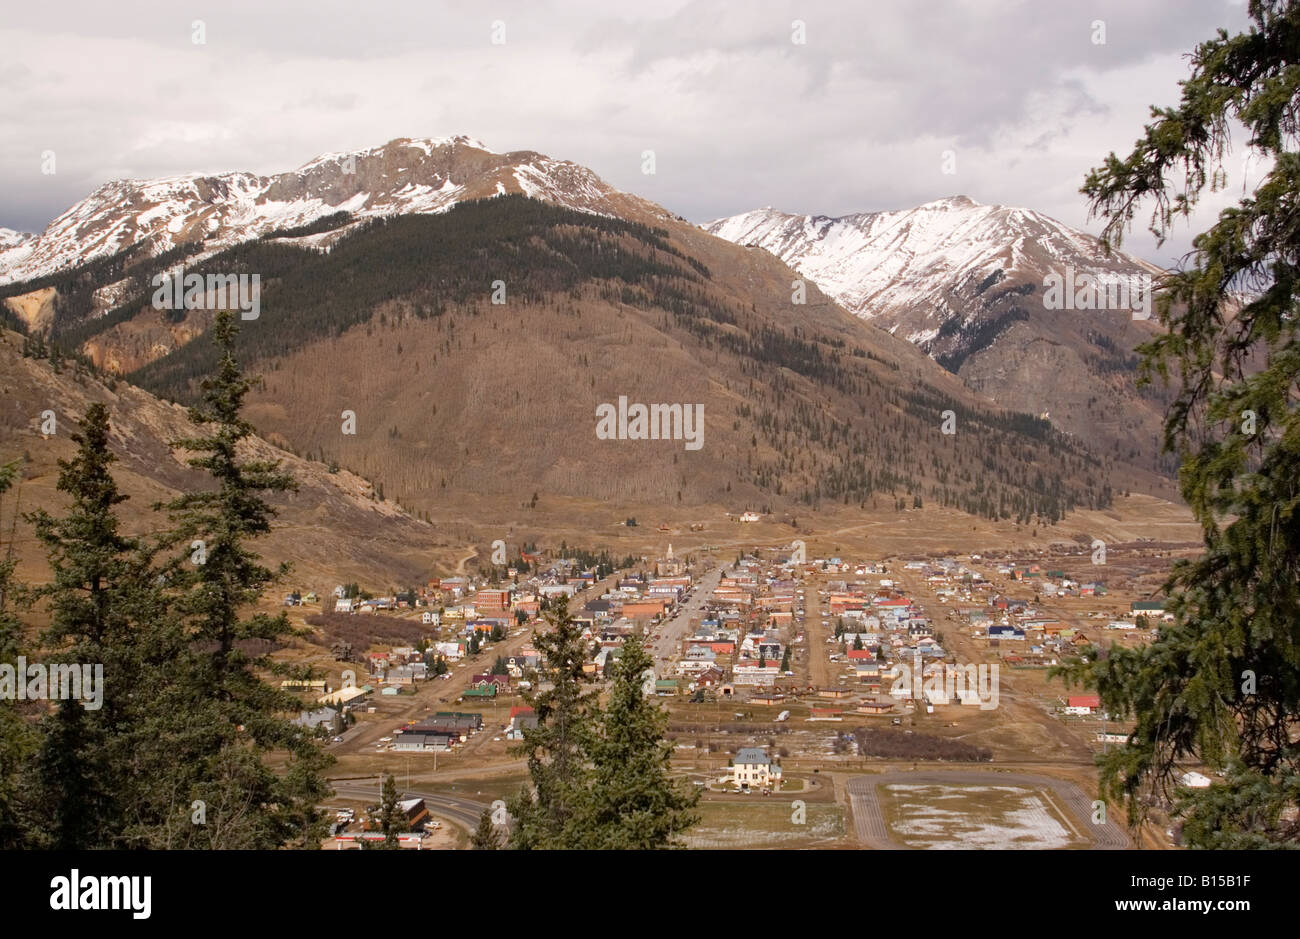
<point x="211" y="213"/>
<point x="879" y="263"/>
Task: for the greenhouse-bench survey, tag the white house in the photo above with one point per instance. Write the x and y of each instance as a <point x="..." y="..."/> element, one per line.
<point x="753" y="768"/>
<point x="449" y="650"/>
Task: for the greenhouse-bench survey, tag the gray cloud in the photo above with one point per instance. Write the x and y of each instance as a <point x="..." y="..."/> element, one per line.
<point x="857" y="119"/>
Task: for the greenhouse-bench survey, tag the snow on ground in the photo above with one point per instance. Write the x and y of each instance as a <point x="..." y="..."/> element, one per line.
<point x="988" y="817"/>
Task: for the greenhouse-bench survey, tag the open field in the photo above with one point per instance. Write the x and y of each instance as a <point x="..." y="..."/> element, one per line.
<point x="766" y="822"/>
<point x="968" y="809"/>
<point x="936" y="816"/>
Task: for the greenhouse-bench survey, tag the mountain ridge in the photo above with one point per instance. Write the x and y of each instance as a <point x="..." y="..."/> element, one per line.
<point x="965" y="283"/>
<point x="872" y="261"/>
<point x="791" y="387"/>
<point x="212" y="212"/>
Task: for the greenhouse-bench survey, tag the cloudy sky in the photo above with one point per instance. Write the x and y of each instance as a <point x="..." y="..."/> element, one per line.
<point x="856" y="118"/>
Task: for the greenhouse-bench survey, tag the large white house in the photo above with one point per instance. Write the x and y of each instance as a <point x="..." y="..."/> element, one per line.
<point x="754" y="769"/>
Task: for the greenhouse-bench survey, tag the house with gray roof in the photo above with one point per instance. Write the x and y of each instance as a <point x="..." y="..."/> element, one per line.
<point x="754" y="769"/>
<point x="317" y="719"/>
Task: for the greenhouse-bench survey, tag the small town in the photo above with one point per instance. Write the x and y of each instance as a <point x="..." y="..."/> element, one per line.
<point x="782" y="675"/>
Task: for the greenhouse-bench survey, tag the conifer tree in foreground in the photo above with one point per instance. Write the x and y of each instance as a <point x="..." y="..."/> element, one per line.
<point x="391" y="820"/>
<point x="557" y="748"/>
<point x="633" y="803"/>
<point x="600" y="777"/>
<point x="101" y="593"/>
<point x="486" y="837"/>
<point x="1221" y="685"/>
<point x="17" y="741"/>
<point x="234" y="717"/>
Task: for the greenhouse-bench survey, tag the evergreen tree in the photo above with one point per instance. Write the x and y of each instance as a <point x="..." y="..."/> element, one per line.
<point x="1222" y="684"/>
<point x="392" y="822"/>
<point x="17" y="739"/>
<point x="557" y="748"/>
<point x="101" y="592"/>
<point x="632" y="802"/>
<point x="785" y="660"/>
<point x="486" y="837"/>
<point x="218" y="576"/>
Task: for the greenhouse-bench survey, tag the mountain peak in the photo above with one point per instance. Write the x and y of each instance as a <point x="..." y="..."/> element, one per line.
<point x="426" y="145"/>
<point x="879" y="264"/>
<point x="407" y="175"/>
<point x="965" y="283"/>
<point x="956" y="202"/>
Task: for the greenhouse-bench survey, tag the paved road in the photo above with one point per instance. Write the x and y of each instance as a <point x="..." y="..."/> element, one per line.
<point x="464" y="812"/>
<point x="869" y="821"/>
<point x="673" y="630"/>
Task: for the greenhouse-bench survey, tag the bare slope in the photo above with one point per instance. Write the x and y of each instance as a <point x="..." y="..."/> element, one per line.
<point x="331" y="528"/>
<point x="454" y="394"/>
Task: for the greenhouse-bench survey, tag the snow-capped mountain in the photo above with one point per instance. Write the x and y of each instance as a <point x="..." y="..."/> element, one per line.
<point x="908" y="270"/>
<point x="961" y="281"/>
<point x="15" y="247"/>
<point x="213" y="212"/>
<point x="965" y="282"/>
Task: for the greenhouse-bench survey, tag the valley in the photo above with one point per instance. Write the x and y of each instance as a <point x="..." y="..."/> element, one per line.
<point x="451" y="350"/>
